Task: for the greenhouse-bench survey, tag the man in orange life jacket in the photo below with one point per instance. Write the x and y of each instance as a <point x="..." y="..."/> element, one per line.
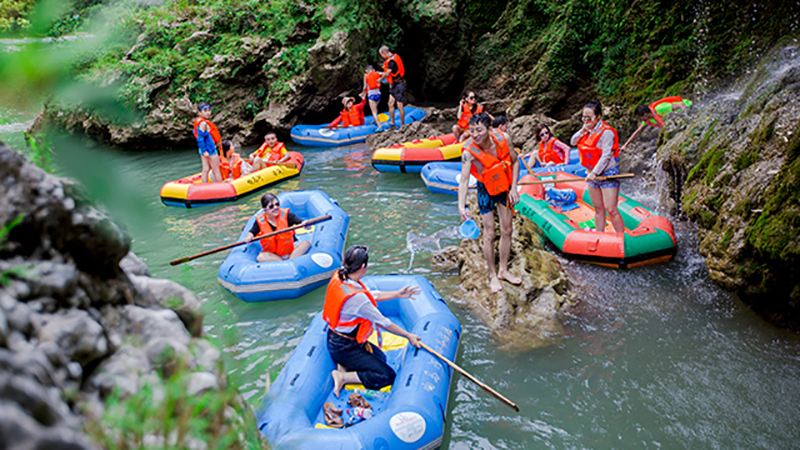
<point x="489" y="156"/>
<point x="208" y="142"/>
<point x="281" y="246"/>
<point x="271" y="152"/>
<point x="395" y="73"/>
<point x="352" y="115"/>
<point x="351" y="311"/>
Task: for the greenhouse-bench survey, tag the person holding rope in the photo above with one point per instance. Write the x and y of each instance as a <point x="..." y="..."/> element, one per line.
<point x="490" y="157"/>
<point x="351" y="311"/>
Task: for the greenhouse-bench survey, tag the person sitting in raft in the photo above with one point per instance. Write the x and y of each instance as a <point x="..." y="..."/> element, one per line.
<point x="232" y="166"/>
<point x="654" y="114"/>
<point x="551" y="149"/>
<point x="598" y="146"/>
<point x="351" y="311"/>
<point x="500" y="122"/>
<point x="208" y="143"/>
<point x="352" y="115"/>
<point x="395" y="74"/>
<point x="467" y="107"/>
<point x="271" y="152"/>
<point x="372" y="86"/>
<point x="281" y="246"/>
<point x="490" y="157"/>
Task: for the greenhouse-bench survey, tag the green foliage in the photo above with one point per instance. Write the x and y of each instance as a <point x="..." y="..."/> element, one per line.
<point x="13" y="14"/>
<point x="13" y="272"/>
<point x="709" y="165"/>
<point x="163" y="415"/>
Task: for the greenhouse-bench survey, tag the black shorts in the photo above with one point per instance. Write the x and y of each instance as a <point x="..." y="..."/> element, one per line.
<point x="398" y="91"/>
<point x="486" y="202"/>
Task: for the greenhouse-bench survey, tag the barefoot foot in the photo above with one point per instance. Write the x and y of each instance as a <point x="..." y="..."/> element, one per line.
<point x="506" y="275"/>
<point x="494" y="285"/>
<point x="338" y="382"/>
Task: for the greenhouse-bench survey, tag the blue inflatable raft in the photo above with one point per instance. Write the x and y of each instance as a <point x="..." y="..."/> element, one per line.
<point x="407" y="415"/>
<point x="443" y="177"/>
<point x="254" y="281"/>
<point x="322" y="136"/>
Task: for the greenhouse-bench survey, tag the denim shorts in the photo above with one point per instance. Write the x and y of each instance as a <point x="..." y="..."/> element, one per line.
<point x="486" y="202"/>
<point x="374" y="97"/>
<point x="606" y="184"/>
<point x="207" y="153"/>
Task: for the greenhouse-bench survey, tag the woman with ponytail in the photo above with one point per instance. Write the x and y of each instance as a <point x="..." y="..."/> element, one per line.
<point x="351" y="312"/>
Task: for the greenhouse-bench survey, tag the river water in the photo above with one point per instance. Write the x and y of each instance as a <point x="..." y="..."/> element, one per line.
<point x="653" y="357"/>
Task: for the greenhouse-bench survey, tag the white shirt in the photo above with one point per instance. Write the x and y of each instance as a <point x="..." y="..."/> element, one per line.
<point x="359" y="306"/>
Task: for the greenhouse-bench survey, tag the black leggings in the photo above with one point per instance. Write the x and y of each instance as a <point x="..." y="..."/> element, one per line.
<point x="372" y="369"/>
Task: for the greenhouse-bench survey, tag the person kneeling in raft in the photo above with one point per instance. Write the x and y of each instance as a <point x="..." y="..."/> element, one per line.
<point x="352" y="115"/>
<point x="351" y="312"/>
<point x="489" y="156"/>
<point x="281" y="246"/>
<point x="271" y="152"/>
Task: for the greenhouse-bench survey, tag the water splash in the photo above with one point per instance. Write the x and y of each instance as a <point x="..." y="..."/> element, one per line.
<point x="431" y="243"/>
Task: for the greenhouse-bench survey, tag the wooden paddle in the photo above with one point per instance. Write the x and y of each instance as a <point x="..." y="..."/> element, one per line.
<point x="458" y="369"/>
<point x="527" y="166"/>
<point x="572" y="180"/>
<point x="303" y="224"/>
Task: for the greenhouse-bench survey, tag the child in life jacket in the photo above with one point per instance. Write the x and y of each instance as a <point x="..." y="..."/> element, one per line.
<point x="271" y="152"/>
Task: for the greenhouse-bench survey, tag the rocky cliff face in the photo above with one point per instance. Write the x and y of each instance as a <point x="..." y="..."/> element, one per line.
<point x="81" y="321"/>
<point x="733" y="169"/>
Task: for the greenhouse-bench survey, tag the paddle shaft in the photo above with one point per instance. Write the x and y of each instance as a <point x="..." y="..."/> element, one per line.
<point x="573" y="180"/>
<point x="303" y="224"/>
<point x="527" y="166"/>
<point x="458" y="369"/>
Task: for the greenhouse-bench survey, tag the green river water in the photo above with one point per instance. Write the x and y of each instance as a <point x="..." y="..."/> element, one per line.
<point x="653" y="357"/>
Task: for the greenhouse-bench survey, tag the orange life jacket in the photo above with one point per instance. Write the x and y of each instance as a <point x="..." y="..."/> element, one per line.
<point x="269" y="154"/>
<point x="401" y="70"/>
<point x="659" y="121"/>
<point x="337" y="294"/>
<point x="587" y="146"/>
<point x="466" y="114"/>
<point x="355" y="116"/>
<point x="547" y="154"/>
<point x="226" y="166"/>
<point x="280" y="244"/>
<point x="215" y="136"/>
<point x="373" y="80"/>
<point x="496" y="171"/>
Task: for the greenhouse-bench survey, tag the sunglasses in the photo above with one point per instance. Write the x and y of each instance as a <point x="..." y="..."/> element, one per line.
<point x="544" y="134"/>
<point x="587" y="118"/>
<point x="273" y="205"/>
<point x="471" y="97"/>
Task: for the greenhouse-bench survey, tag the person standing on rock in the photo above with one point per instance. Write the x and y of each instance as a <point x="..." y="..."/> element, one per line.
<point x="489" y="157"/>
<point x="209" y="143"/>
<point x="352" y="314"/>
<point x="372" y="87"/>
<point x="598" y="146"/>
<point x="395" y="74"/>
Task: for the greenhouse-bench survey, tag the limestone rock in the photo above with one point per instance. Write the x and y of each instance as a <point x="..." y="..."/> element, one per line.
<point x="169" y="294"/>
<point x="133" y="265"/>
<point x="75" y="335"/>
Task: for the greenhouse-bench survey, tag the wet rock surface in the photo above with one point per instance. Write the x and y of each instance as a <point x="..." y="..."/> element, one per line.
<point x="520" y="317"/>
<point x="79" y="318"/>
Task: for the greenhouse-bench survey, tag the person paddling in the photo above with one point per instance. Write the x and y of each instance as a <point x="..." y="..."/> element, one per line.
<point x="281" y="246"/>
<point x="489" y="156"/>
<point x="395" y="74"/>
<point x="653" y="114"/>
<point x="551" y="149"/>
<point x="271" y="152"/>
<point x="372" y="86"/>
<point x="598" y="146"/>
<point x="351" y="311"/>
<point x="208" y="143"/>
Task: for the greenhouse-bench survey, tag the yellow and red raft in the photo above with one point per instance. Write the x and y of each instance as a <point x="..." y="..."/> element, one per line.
<point x="190" y="191"/>
<point x="648" y="238"/>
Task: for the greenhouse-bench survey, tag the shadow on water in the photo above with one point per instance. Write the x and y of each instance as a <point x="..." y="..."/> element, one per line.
<point x="656" y="356"/>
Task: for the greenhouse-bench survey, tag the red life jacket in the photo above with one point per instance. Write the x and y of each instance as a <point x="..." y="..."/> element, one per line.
<point x="226" y="166"/>
<point x="401" y="70"/>
<point x="373" y="80"/>
<point x="466" y="114"/>
<point x="657" y="121"/>
<point x="280" y="244"/>
<point x="587" y="146"/>
<point x="548" y="154"/>
<point x="269" y="154"/>
<point x="496" y="171"/>
<point x="337" y="294"/>
<point x="355" y="116"/>
<point x="215" y="136"/>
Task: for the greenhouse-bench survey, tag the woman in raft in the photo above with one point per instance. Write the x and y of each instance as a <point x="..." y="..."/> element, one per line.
<point x="468" y="106"/>
<point x="352" y="115"/>
<point x="281" y="246"/>
<point x="551" y="149"/>
<point x="232" y="166"/>
<point x="598" y="146"/>
<point x="351" y="312"/>
<point x="208" y="142"/>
